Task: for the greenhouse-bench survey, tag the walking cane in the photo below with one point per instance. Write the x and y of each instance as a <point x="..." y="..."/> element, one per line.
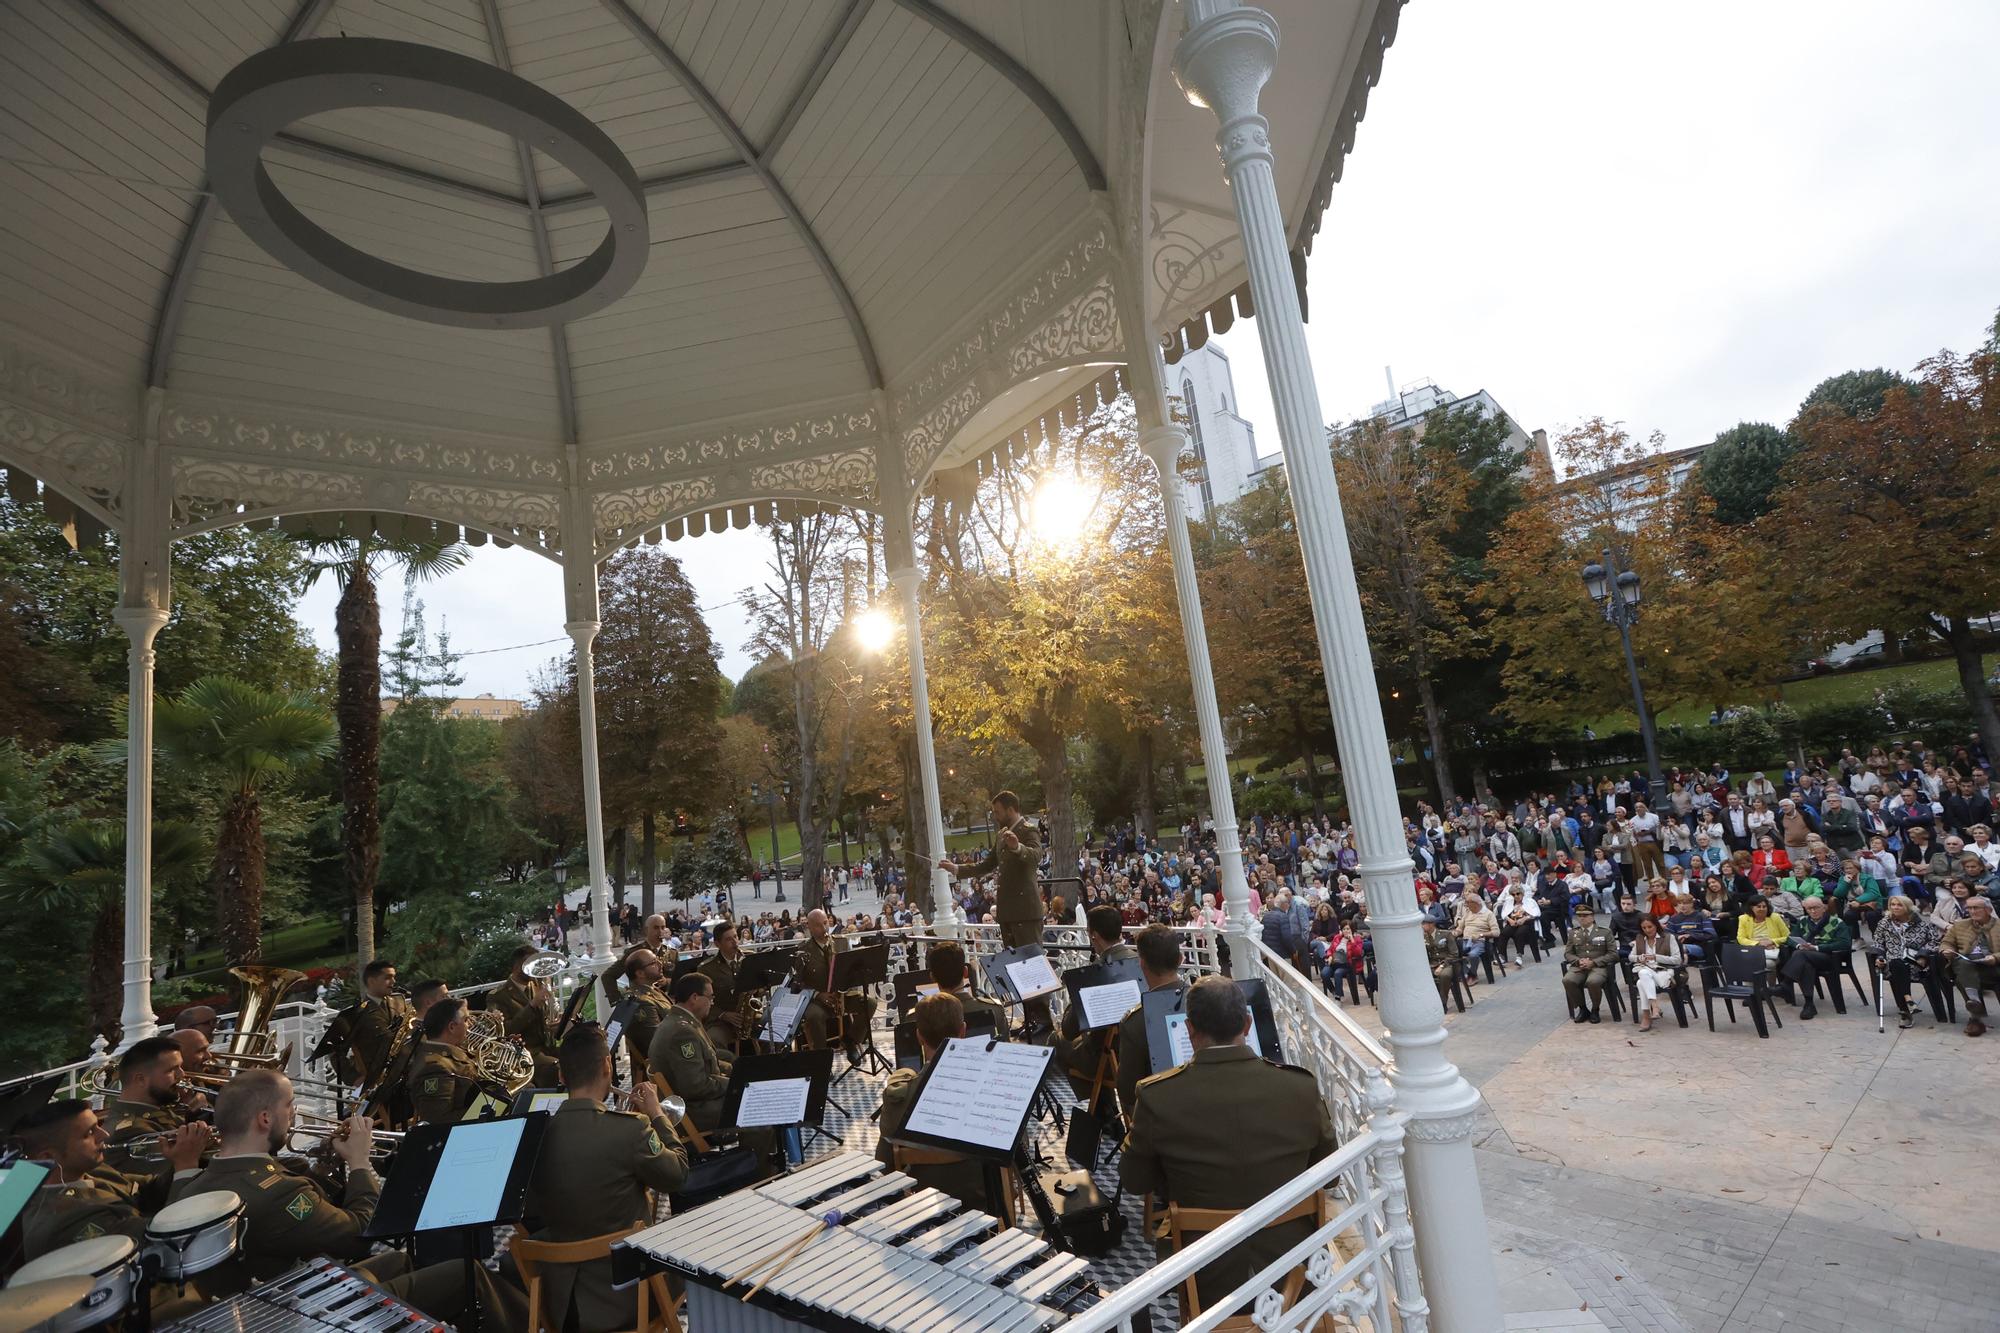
<point x="1881" y="1025"/>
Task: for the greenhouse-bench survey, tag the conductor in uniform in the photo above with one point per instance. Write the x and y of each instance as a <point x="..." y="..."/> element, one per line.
<point x="1278" y="1126"/>
<point x="1159" y="951"/>
<point x="1590" y="951"/>
<point x="597" y="1173"/>
<point x="682" y="1053"/>
<point x="1017" y="856"/>
<point x="1078" y="1053"/>
<point x="445" y="1078"/>
<point x="526" y="1004"/>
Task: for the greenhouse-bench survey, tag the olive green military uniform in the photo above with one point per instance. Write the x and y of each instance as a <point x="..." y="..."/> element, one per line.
<point x="721" y="973"/>
<point x="683" y="1053"/>
<point x="596" y="1174"/>
<point x="813" y="966"/>
<point x="1135" y="1055"/>
<point x="1590" y="951"/>
<point x="371" y="1028"/>
<point x="443" y="1083"/>
<point x="288" y="1217"/>
<point x="1441" y="952"/>
<point x="972" y="1002"/>
<point x="1179" y="1150"/>
<point x="649" y="1010"/>
<point x="1017" y="905"/>
<point x="102" y="1203"/>
<point x="1078" y="1053"/>
<point x="964" y="1181"/>
<point x="131" y="1120"/>
<point x="527" y="1020"/>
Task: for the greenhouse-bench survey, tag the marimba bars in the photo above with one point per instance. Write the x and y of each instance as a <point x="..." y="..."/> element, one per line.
<point x="905" y="1259"/>
<point x="316" y="1297"/>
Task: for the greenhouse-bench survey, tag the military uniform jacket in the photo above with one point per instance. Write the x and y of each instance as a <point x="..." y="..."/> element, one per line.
<point x="721" y="973"/>
<point x="442" y="1083"/>
<point x="649" y="1010"/>
<point x="102" y="1203"/>
<point x="526" y="1018"/>
<point x="1591" y="947"/>
<point x="1441" y="950"/>
<point x="972" y="1002"/>
<point x="812" y="966"/>
<point x="130" y="1120"/>
<point x="963" y="1180"/>
<point x="288" y="1217"/>
<point x="683" y="1052"/>
<point x="1020" y="892"/>
<point x="1223" y="1131"/>
<point x="595" y="1174"/>
<point x="1135" y="1057"/>
<point x="370" y="1031"/>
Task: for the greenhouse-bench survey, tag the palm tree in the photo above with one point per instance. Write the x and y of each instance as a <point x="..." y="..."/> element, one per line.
<point x="245" y="736"/>
<point x="354" y="564"/>
<point x="78" y="869"/>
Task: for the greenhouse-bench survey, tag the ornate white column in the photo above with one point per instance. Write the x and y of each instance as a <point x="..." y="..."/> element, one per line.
<point x="900" y="554"/>
<point x="580" y="596"/>
<point x="1164" y="443"/>
<point x="1222" y="63"/>
<point x="144" y="596"/>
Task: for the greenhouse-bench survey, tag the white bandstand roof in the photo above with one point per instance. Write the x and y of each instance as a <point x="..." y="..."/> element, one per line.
<point x="883" y="239"/>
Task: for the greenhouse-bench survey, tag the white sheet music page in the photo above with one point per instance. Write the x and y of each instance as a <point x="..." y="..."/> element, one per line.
<point x="1105" y="1005"/>
<point x="774" y="1101"/>
<point x="782" y="1018"/>
<point x="1183" y="1049"/>
<point x="471" y="1174"/>
<point x="979" y="1096"/>
<point x="1032" y="976"/>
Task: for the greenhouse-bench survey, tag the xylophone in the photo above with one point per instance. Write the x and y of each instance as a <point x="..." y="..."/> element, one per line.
<point x="903" y="1258"/>
<point x="319" y="1296"/>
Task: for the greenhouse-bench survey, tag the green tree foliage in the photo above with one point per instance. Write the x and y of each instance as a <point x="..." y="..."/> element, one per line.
<point x="1741" y="467"/>
<point x="445" y="813"/>
<point x="1854" y="393"/>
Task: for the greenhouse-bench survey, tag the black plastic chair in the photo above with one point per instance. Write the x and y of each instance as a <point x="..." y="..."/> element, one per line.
<point x="1488" y="958"/>
<point x="1944" y="1008"/>
<point x="1611" y="988"/>
<point x="1739" y="974"/>
<point x="1678" y="993"/>
<point x="1832" y="980"/>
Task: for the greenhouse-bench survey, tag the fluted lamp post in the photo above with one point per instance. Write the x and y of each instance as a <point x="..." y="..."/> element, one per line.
<point x="1617" y="593"/>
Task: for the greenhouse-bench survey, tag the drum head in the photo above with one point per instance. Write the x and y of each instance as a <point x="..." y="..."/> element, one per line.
<point x="193" y="1213"/>
<point x="86" y="1258"/>
<point x="28" y="1304"/>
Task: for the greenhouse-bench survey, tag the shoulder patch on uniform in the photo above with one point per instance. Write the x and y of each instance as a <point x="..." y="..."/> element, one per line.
<point x="687" y="1050"/>
<point x="88" y="1231"/>
<point x="301" y="1206"/>
<point x="653" y="1145"/>
<point x="269" y="1180"/>
<point x="431" y="1085"/>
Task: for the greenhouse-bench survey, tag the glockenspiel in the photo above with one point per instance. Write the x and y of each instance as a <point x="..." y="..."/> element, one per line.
<point x="904" y="1258"/>
<point x="318" y="1296"/>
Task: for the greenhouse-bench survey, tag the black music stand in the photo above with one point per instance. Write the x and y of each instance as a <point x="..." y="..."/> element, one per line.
<point x="859" y="969"/>
<point x="765" y="967"/>
<point x="910" y="1051"/>
<point x="464" y="1179"/>
<point x="1001" y="982"/>
<point x="572" y="1008"/>
<point x="974" y="1099"/>
<point x="910" y="987"/>
<point x="1122" y="973"/>
<point x="781" y="1072"/>
<point x="1167" y="1043"/>
<point x="781" y="1022"/>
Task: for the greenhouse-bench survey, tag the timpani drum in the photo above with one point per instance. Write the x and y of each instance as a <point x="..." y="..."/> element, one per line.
<point x="112" y="1265"/>
<point x="194" y="1234"/>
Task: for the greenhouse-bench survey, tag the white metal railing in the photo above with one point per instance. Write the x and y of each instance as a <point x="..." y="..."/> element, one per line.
<point x="1318" y="1033"/>
<point x="1360" y="1263"/>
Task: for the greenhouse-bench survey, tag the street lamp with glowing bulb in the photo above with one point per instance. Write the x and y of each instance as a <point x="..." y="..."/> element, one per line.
<point x="1616" y="592"/>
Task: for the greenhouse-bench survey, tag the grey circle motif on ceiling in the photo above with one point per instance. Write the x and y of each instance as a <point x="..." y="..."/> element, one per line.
<point x="272" y="90"/>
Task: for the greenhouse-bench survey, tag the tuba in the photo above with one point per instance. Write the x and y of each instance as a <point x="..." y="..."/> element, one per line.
<point x="253" y="1042"/>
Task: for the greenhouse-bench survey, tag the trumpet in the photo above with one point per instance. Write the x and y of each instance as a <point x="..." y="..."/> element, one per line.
<point x="146" y="1147"/>
<point x="673" y="1108"/>
<point x="326" y="1131"/>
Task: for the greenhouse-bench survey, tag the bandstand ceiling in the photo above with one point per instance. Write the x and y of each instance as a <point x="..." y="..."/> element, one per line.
<point x="881" y="234"/>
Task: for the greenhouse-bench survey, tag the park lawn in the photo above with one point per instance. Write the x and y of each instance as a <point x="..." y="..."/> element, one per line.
<point x="1838" y="687"/>
<point x="788" y="847"/>
<point x="317" y="942"/>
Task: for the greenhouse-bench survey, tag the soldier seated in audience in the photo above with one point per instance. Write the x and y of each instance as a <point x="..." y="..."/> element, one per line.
<point x="598" y="1173"/>
<point x="1591" y="951"/>
<point x="1278" y="1125"/>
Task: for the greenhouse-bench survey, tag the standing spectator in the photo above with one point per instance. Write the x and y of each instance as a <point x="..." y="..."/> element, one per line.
<point x="1643" y="829"/>
<point x="1794" y="827"/>
<point x="1840" y="826"/>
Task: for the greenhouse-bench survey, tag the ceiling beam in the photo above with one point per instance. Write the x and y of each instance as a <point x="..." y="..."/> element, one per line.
<point x="829" y="56"/>
<point x="569" y="203"/>
<point x="1017" y="74"/>
<point x="545" y="256"/>
<point x="675" y="66"/>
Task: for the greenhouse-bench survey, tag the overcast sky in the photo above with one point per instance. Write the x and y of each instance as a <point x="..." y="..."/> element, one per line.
<point x="1681" y="216"/>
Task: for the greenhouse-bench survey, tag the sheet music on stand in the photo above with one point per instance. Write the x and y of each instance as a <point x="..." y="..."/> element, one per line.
<point x="782" y="1015"/>
<point x="1021" y="973"/>
<point x="975" y="1097"/>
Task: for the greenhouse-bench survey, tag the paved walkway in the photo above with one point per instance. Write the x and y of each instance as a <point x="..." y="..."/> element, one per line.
<point x="1826" y="1179"/>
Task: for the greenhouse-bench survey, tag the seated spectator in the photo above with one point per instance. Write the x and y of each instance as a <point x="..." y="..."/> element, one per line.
<point x="1905" y="943"/>
<point x="1659" y="898"/>
<point x="1441" y="950"/>
<point x="1785" y="904"/>
<point x="1951" y="903"/>
<point x="1346" y="957"/>
<point x="1857" y="896"/>
<point x="1821" y="946"/>
<point x="1760" y="928"/>
<point x="1625" y="923"/>
<point x="1520" y="921"/>
<point x="1801" y="884"/>
<point x="1972" y="947"/>
<point x="1590" y="951"/>
<point x="1656" y="957"/>
<point x="1695" y="932"/>
<point x="1768" y="861"/>
<point x="1477" y="928"/>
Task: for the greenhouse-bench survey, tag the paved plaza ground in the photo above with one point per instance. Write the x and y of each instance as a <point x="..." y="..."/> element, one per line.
<point x="1829" y="1178"/>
